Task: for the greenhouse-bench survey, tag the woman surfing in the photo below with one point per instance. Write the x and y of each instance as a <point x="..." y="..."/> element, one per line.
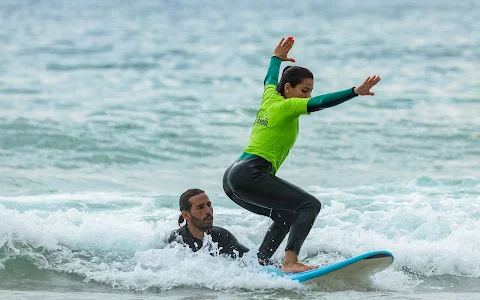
<point x="251" y="181"/>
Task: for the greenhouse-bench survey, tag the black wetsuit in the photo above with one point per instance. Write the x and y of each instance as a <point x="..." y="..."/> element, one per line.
<point x="227" y="243"/>
<point x="250" y="184"/>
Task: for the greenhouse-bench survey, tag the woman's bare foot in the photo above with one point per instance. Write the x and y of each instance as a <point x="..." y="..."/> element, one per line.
<point x="291" y="264"/>
<point x="296" y="267"/>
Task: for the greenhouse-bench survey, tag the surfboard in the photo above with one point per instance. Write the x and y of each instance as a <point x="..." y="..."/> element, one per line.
<point x="361" y="266"/>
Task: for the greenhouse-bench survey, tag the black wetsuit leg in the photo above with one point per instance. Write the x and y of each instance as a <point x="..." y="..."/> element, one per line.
<point x="250" y="184"/>
<point x="282" y="220"/>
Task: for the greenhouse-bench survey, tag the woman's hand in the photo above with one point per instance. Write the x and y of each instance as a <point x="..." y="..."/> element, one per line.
<point x="282" y="49"/>
<point x="364" y="88"/>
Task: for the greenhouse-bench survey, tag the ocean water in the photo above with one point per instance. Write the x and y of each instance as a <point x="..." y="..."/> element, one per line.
<point x="109" y="110"/>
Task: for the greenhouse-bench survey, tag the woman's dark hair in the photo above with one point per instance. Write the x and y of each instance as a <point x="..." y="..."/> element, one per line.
<point x="293" y="75"/>
<point x="184" y="202"/>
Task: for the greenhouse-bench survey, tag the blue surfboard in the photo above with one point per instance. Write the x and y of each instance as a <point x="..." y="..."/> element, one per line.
<point x="360" y="266"/>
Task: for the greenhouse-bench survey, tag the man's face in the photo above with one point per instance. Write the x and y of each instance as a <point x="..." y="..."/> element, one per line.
<point x="201" y="212"/>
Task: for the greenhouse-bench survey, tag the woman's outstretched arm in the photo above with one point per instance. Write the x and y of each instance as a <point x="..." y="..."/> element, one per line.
<point x="279" y="54"/>
<point x="328" y="100"/>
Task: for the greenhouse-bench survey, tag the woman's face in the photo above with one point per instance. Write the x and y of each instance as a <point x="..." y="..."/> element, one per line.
<point x="302" y="90"/>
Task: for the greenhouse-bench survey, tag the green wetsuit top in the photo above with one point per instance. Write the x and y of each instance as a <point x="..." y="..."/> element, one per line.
<point x="276" y="125"/>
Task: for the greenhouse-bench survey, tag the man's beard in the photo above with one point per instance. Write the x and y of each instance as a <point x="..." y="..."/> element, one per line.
<point x="200" y="224"/>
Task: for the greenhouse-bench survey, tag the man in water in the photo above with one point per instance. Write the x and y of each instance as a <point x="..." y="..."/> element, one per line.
<point x="196" y="209"/>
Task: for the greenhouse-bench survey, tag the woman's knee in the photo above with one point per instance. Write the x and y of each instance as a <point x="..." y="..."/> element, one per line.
<point x="315" y="204"/>
<point x="318" y="206"/>
<point x="310" y="204"/>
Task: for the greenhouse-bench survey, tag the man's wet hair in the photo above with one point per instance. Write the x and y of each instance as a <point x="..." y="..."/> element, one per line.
<point x="184" y="202"/>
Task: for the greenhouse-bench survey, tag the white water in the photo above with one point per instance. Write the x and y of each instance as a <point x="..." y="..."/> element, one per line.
<point x="117" y="239"/>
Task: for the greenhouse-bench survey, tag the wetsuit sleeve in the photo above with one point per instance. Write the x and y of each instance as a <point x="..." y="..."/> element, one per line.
<point x="329" y="100"/>
<point x="273" y="71"/>
<point x="173" y="237"/>
<point x="182" y="236"/>
<point x="230" y="244"/>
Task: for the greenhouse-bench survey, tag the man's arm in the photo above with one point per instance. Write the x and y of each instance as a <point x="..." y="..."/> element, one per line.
<point x="181" y="236"/>
<point x="230" y="243"/>
<point x="174" y="236"/>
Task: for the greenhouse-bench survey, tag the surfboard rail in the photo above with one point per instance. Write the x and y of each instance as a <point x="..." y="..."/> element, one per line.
<point x="362" y="265"/>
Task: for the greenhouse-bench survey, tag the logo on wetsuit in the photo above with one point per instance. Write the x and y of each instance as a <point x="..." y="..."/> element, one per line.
<point x="261" y="118"/>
